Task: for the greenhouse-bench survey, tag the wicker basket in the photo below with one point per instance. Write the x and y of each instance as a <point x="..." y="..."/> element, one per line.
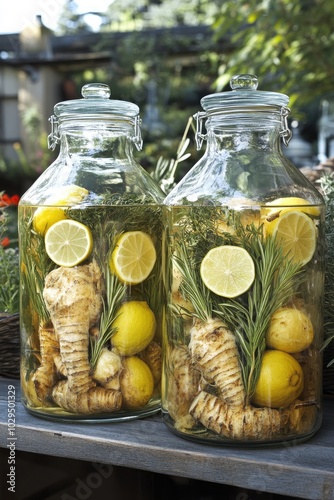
<point x="10" y="345"/>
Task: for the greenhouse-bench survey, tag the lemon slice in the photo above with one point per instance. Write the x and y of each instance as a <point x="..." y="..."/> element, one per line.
<point x="297" y="234"/>
<point x="46" y="216"/>
<point x="227" y="271"/>
<point x="133" y="257"/>
<point x="68" y="243"/>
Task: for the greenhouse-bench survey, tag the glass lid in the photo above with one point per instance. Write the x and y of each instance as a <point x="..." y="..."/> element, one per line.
<point x="96" y="101"/>
<point x="244" y="99"/>
<point x="95" y="105"/>
<point x="244" y="93"/>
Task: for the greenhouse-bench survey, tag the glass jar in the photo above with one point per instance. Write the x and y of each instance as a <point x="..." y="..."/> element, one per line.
<point x="90" y="248"/>
<point x="244" y="273"/>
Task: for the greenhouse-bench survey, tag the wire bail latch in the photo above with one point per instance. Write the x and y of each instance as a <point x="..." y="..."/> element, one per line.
<point x="285" y="133"/>
<point x="53" y="138"/>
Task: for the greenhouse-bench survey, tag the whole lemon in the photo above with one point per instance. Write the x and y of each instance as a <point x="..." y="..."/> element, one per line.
<point x="136" y="383"/>
<point x="269" y="225"/>
<point x="70" y="195"/>
<point x="47" y="215"/>
<point x="282" y="205"/>
<point x="290" y="330"/>
<point x="135" y="326"/>
<point x="274" y="209"/>
<point x="280" y="382"/>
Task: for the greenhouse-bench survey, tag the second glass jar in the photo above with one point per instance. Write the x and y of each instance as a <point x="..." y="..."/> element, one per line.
<point x="244" y="271"/>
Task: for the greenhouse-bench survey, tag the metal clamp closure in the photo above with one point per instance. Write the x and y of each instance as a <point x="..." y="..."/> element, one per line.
<point x="199" y="136"/>
<point x="137" y="139"/>
<point x="53" y="138"/>
<point x="285" y="133"/>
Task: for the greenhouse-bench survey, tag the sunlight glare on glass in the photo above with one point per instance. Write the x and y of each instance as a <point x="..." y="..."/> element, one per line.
<point x="20" y="14"/>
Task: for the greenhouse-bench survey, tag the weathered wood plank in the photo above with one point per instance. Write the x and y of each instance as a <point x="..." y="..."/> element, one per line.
<point x="304" y="471"/>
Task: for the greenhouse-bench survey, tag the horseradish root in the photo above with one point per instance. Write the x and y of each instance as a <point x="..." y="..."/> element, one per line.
<point x="61" y="368"/>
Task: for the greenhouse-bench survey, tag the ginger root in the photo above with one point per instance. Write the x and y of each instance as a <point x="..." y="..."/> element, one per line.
<point x="74" y="300"/>
<point x="45" y="376"/>
<point x="95" y="400"/>
<point x="248" y="422"/>
<point x="237" y="422"/>
<point x="213" y="348"/>
<point x="61" y="368"/>
<point x="152" y="356"/>
<point x="183" y="385"/>
<point x="213" y="353"/>
<point x="108" y="365"/>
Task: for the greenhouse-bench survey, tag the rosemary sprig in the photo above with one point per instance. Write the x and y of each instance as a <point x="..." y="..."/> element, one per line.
<point x="276" y="278"/>
<point x="35" y="265"/>
<point x="115" y="291"/>
<point x="197" y="234"/>
<point x="276" y="281"/>
<point x="192" y="286"/>
<point x="165" y="170"/>
<point x="119" y="213"/>
<point x="126" y="212"/>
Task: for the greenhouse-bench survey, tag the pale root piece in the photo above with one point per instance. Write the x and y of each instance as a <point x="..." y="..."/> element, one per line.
<point x="45" y="376"/>
<point x="244" y="422"/>
<point x="152" y="356"/>
<point x="107" y="366"/>
<point x="113" y="383"/>
<point x="183" y="306"/>
<point x="183" y="385"/>
<point x="301" y="417"/>
<point x="61" y="368"/>
<point x="95" y="400"/>
<point x="74" y="300"/>
<point x="213" y="348"/>
<point x="310" y="360"/>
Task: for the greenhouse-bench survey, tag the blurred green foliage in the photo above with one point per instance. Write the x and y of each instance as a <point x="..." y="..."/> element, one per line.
<point x="288" y="44"/>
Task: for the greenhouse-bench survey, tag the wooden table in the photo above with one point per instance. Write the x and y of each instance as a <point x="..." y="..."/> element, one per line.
<point x="302" y="471"/>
